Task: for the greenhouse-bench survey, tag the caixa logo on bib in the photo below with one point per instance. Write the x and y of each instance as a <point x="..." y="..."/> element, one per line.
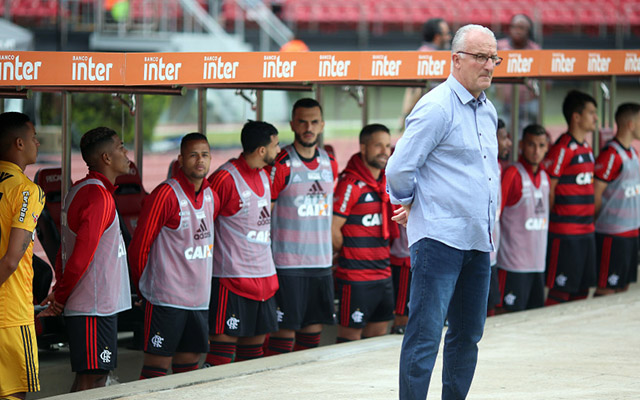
<point x="535" y="224"/>
<point x="632" y="191"/>
<point x="198" y="252"/>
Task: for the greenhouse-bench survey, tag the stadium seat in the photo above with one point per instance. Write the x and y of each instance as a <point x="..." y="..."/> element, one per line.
<point x="48" y="228"/>
<point x="129" y="196"/>
<point x="173" y="166"/>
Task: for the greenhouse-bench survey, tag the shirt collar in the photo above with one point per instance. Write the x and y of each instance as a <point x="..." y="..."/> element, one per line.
<point x="99" y="176"/>
<point x="463" y="94"/>
<point x="9" y="164"/>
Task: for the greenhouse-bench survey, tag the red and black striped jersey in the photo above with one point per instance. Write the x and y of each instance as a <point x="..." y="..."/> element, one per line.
<point x="572" y="164"/>
<point x="365" y="252"/>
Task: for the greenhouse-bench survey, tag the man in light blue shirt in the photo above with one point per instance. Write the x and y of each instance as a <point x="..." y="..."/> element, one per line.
<point x="444" y="172"/>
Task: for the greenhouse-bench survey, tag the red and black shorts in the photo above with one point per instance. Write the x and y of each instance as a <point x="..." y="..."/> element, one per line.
<point x="93" y="343"/>
<point x="571" y="262"/>
<point x="305" y="299"/>
<point x="401" y="288"/>
<point x="238" y="316"/>
<point x="617" y="260"/>
<point x="170" y="330"/>
<point x="521" y="290"/>
<point x="362" y="302"/>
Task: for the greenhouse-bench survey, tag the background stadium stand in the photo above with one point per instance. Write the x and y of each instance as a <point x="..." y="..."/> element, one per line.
<point x="344" y="24"/>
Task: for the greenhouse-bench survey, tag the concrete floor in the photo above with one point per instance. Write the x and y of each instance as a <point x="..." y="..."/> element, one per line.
<point x="584" y="350"/>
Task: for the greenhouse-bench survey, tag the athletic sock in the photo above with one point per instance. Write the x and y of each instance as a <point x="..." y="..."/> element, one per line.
<point x="152" y="372"/>
<point x="342" y="340"/>
<point x="556" y="297"/>
<point x="249" y="352"/>
<point x="306" y="341"/>
<point x="579" y="296"/>
<point x="279" y="345"/>
<point x="179" y="368"/>
<point x="220" y="353"/>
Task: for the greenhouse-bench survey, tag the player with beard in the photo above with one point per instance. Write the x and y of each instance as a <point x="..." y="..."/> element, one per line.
<point x="301" y="201"/>
<point x="617" y="204"/>
<point x="170" y="257"/>
<point x="360" y="231"/>
<point x="243" y="306"/>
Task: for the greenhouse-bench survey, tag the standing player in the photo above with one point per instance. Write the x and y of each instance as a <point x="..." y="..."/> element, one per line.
<point x="571" y="249"/>
<point x="360" y="233"/>
<point x="21" y="202"/>
<point x="504" y="148"/>
<point x="524" y="220"/>
<point x="171" y="262"/>
<point x="617" y="202"/>
<point x="92" y="277"/>
<point x="243" y="306"/>
<point x="302" y="200"/>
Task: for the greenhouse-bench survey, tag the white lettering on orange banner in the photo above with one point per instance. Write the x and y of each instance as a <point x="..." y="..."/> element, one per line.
<point x="329" y="67"/>
<point x="631" y="63"/>
<point x="518" y="64"/>
<point x="18" y="70"/>
<point x="272" y="67"/>
<point x="427" y="66"/>
<point x="560" y="63"/>
<point x="597" y="63"/>
<point x="84" y="69"/>
<point x="215" y="68"/>
<point x="155" y="69"/>
<point x="381" y="66"/>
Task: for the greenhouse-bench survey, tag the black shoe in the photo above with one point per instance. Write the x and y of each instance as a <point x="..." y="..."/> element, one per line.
<point x="399" y="330"/>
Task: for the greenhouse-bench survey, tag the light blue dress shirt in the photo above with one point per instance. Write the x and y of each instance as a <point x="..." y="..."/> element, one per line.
<point x="446" y="166"/>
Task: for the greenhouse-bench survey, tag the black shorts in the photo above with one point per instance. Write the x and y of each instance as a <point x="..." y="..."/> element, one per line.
<point x="305" y="300"/>
<point x="571" y="262"/>
<point x="170" y="330"/>
<point x="93" y="343"/>
<point x="401" y="288"/>
<point x="617" y="260"/>
<point x="521" y="290"/>
<point x="362" y="302"/>
<point x="494" y="289"/>
<point x="237" y="316"/>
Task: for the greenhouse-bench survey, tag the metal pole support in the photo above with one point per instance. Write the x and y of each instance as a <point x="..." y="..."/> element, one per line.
<point x="66" y="145"/>
<point x="202" y="111"/>
<point x="138" y="138"/>
<point x="515" y="114"/>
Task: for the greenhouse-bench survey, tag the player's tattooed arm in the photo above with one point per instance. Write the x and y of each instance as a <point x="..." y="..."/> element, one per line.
<point x="19" y="240"/>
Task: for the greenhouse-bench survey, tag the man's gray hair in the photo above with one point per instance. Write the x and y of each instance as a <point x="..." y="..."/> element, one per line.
<point x="459" y="40"/>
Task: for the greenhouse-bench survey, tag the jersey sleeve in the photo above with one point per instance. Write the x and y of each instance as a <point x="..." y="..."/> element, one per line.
<point x="157" y="209"/>
<point x="90" y="214"/>
<point x="334" y="166"/>
<point x="511" y="187"/>
<point x="29" y="202"/>
<point x="557" y="159"/>
<point x="279" y="174"/>
<point x="222" y="183"/>
<point x="345" y="196"/>
<point x="608" y="165"/>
